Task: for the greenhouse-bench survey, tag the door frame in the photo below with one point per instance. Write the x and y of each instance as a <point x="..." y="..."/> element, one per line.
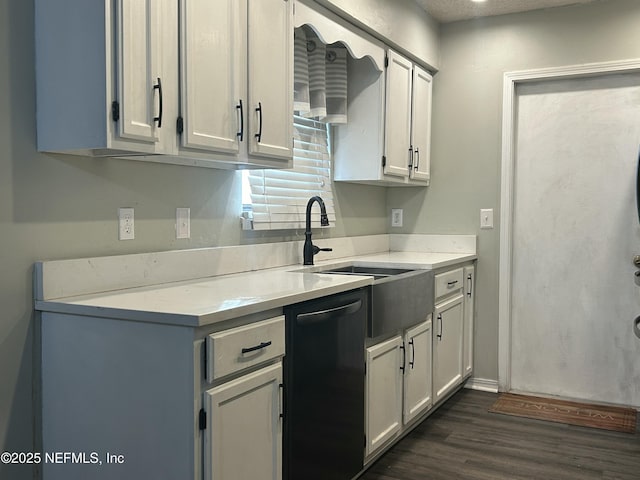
<point x="509" y="104"/>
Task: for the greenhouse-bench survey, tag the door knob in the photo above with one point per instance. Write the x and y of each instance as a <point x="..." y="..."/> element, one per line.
<point x="636" y="326"/>
<point x="636" y="261"/>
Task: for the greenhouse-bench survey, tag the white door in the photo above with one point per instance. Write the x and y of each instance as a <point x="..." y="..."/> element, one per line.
<point x="383" y="407"/>
<point x="140" y="88"/>
<point x="447" y="346"/>
<point x="397" y="134"/>
<point x="421" y="124"/>
<point x="243" y="437"/>
<point x="575" y="231"/>
<point x="417" y="371"/>
<point x="213" y="69"/>
<point x="270" y="106"/>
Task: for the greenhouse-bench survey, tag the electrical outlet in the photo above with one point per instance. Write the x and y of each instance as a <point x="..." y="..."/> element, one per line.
<point x="486" y="218"/>
<point x="183" y="222"/>
<point x="126" y="224"/>
<point x="396" y="217"/>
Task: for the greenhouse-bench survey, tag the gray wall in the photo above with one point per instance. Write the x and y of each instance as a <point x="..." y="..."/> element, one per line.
<point x="56" y="207"/>
<point x="401" y="24"/>
<point x="467" y="115"/>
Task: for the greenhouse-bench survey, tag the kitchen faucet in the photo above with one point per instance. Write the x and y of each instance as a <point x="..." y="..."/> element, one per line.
<point x="310" y="249"/>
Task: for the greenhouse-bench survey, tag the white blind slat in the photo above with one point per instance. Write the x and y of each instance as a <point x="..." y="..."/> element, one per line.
<point x="279" y="197"/>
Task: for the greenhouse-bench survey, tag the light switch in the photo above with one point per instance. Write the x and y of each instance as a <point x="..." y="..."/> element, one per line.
<point x="486" y="218"/>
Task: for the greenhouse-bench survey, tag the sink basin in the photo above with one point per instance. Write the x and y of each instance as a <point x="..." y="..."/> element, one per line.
<point x="378" y="272"/>
<point x="400" y="297"/>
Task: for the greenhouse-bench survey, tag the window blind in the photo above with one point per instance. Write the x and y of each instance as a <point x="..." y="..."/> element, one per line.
<point x="279" y="197"/>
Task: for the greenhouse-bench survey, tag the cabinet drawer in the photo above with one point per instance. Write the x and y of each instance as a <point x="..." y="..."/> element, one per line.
<point x="242" y="347"/>
<point x="448" y="282"/>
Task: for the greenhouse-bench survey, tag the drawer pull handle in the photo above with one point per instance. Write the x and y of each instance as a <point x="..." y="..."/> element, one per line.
<point x="259" y="134"/>
<point x="257" y="347"/>
<point x="413" y="353"/>
<point x="158" y="119"/>
<point x="451" y="284"/>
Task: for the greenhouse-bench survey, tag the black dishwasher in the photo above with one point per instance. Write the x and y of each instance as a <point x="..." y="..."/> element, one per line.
<point x="324" y="387"/>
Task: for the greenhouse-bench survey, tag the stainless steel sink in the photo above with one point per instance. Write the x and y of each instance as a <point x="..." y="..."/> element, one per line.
<point x="400" y="297"/>
<point x="378" y="272"/>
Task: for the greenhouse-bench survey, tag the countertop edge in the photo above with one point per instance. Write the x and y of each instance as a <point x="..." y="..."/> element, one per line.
<point x="198" y="320"/>
<point x="204" y="318"/>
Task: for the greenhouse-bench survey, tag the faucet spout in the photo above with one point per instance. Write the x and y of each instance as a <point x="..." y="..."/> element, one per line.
<point x="309" y="249"/>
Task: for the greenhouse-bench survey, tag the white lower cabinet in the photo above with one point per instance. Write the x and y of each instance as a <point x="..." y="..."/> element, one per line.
<point x="417" y="370"/>
<point x="398" y="384"/>
<point x="243" y="435"/>
<point x="469" y="309"/>
<point x="383" y="407"/>
<point x="447" y="346"/>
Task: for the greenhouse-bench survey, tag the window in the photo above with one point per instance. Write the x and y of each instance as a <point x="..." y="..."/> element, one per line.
<point x="278" y="199"/>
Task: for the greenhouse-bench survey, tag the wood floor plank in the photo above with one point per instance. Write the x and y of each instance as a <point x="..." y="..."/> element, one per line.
<point x="462" y="440"/>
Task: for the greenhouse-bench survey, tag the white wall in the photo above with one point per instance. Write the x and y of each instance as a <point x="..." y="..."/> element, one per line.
<point x="466" y="148"/>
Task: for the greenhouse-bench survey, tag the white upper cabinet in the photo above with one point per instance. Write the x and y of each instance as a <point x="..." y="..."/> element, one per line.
<point x="407" y="120"/>
<point x="236" y="69"/>
<point x="213" y="74"/>
<point x="421" y="125"/>
<point x="106" y="76"/>
<point x="139" y="83"/>
<point x="270" y="78"/>
<point x="398" y="116"/>
<point x="386" y="140"/>
<point x="207" y="83"/>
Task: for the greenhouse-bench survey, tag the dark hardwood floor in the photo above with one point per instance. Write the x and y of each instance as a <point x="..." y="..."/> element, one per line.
<point x="462" y="440"/>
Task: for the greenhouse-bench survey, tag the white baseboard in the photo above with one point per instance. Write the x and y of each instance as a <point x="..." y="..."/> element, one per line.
<point x="483" y="384"/>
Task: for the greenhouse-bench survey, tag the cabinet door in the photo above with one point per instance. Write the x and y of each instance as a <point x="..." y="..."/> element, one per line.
<point x="213" y="73"/>
<point x="384" y="393"/>
<point x="397" y="135"/>
<point x="270" y="63"/>
<point x="139" y="85"/>
<point x="243" y="438"/>
<point x="417" y="373"/>
<point x="447" y="346"/>
<point x="469" y="307"/>
<point x="421" y="124"/>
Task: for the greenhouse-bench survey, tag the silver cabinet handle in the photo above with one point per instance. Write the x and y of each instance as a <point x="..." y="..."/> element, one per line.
<point x="440" y="319"/>
<point x="452" y="283"/>
<point x="323" y="315"/>
<point x="470" y="278"/>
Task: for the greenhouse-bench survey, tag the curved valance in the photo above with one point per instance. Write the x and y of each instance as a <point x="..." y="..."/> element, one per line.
<point x="331" y="29"/>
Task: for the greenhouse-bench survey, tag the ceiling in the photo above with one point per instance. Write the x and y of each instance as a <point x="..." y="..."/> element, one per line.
<point x="453" y="10"/>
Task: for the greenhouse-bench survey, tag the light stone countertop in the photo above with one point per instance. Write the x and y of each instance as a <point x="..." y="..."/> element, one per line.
<point x="205" y="301"/>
